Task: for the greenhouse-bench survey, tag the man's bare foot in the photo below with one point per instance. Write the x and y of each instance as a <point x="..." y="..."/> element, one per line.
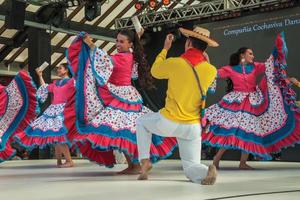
<point x="67" y="165"/>
<point x="211" y="177"/>
<point x="244" y="166"/>
<point x="131" y="170"/>
<point x="216" y="163"/>
<point x="145" y="169"/>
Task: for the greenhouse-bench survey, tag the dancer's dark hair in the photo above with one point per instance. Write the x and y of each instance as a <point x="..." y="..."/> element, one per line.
<point x="198" y="44"/>
<point x="65" y="65"/>
<point x="145" y="79"/>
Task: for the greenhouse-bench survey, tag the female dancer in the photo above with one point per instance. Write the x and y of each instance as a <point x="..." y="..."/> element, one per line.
<point x="107" y="103"/>
<point x="254" y="119"/>
<point x="54" y="124"/>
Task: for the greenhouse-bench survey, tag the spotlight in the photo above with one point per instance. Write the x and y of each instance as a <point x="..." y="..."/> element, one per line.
<point x="166" y="2"/>
<point x="138" y="5"/>
<point x="52" y="13"/>
<point x="73" y="3"/>
<point x="152" y="4"/>
<point x="159" y="28"/>
<point x="92" y="9"/>
<point x="154" y="29"/>
<point x="58" y="19"/>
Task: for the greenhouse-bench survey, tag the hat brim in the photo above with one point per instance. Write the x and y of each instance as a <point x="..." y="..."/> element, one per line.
<point x="188" y="33"/>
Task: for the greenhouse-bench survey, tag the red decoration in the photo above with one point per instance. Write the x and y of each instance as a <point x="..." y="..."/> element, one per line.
<point x="152" y="4"/>
<point x="166" y="2"/>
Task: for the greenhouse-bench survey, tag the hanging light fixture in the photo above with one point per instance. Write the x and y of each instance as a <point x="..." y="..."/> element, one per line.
<point x="152" y="4"/>
<point x="92" y="9"/>
<point x="53" y="14"/>
<point x="166" y="2"/>
<point x="138" y="5"/>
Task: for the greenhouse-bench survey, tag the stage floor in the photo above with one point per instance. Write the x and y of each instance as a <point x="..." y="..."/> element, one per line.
<point x="41" y="180"/>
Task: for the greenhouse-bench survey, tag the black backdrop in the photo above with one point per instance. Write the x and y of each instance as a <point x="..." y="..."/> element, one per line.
<point x="254" y="31"/>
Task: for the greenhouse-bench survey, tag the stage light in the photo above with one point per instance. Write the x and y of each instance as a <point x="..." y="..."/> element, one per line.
<point x="154" y="29"/>
<point x="92" y="9"/>
<point x="51" y="14"/>
<point x="138" y="5"/>
<point x="72" y="3"/>
<point x="166" y="2"/>
<point x="58" y="19"/>
<point x="159" y="28"/>
<point x="152" y="4"/>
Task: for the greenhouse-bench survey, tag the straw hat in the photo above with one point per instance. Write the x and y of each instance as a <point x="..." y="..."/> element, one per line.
<point x="201" y="34"/>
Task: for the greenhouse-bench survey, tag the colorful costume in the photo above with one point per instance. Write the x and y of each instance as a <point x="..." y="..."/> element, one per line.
<point x="180" y="116"/>
<point x="108" y="105"/>
<point x="54" y="124"/>
<point x="256" y="119"/>
<point x="18" y="106"/>
<point x="57" y="124"/>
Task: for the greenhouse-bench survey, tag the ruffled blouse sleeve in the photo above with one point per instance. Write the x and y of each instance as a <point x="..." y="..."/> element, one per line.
<point x="43" y="91"/>
<point x="102" y="66"/>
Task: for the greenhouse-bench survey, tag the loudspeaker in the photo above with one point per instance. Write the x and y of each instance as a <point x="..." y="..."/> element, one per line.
<point x="15" y="14"/>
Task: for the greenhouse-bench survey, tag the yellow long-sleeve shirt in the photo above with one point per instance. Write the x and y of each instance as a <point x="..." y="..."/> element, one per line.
<point x="183" y="94"/>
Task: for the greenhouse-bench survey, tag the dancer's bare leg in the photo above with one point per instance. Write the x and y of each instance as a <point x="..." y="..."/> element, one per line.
<point x="243" y="165"/>
<point x="146" y="166"/>
<point x="58" y="155"/>
<point x="132" y="169"/>
<point x="67" y="154"/>
<point x="218" y="157"/>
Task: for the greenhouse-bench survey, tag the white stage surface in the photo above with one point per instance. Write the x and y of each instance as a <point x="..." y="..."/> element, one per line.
<point x="41" y="180"/>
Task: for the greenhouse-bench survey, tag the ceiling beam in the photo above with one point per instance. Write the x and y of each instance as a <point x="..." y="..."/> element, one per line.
<point x="69" y="27"/>
<point x="17" y="41"/>
<point x="6" y="41"/>
<point x="109" y="11"/>
<point x="10" y="42"/>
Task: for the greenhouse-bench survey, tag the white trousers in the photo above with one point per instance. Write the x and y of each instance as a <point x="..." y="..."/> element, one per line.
<point x="188" y="138"/>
